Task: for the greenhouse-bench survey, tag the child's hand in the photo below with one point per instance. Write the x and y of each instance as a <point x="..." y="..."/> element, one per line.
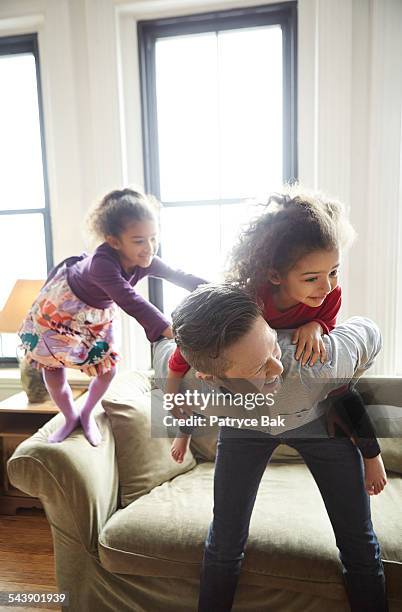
<point x="309" y="343"/>
<point x="168" y="333"/>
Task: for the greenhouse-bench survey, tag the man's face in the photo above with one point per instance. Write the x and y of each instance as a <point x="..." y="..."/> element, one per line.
<point x="256" y="357"/>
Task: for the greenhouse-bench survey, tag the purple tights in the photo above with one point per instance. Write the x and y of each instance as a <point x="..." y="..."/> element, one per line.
<point x="60" y="392"/>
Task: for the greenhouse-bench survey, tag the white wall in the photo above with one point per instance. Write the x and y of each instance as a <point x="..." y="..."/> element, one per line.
<point x="349" y="126"/>
<point x="354" y="85"/>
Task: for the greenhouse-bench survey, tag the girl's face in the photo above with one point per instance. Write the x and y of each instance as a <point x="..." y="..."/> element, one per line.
<point x="137" y="244"/>
<point x="312" y="278"/>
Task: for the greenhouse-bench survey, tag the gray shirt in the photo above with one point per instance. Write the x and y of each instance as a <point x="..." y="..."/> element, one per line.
<point x="351" y="350"/>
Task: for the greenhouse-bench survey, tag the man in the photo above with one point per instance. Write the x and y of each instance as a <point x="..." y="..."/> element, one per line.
<point x="223" y="336"/>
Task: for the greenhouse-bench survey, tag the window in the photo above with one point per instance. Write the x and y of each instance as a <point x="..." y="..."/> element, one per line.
<point x="219" y="123"/>
<point x="25" y="238"/>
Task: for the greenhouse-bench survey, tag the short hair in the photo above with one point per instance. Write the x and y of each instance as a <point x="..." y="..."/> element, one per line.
<point x="210" y="320"/>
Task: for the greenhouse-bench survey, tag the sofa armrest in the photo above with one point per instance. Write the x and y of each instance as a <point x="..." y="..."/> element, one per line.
<point x="76" y="482"/>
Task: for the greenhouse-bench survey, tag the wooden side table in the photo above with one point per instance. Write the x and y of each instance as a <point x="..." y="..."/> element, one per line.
<point x="18" y="421"/>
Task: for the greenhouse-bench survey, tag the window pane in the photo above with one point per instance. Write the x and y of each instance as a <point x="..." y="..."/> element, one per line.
<point x="219" y="107"/>
<point x="192" y="244"/>
<point x="22" y="246"/>
<point x="250" y="111"/>
<point x="203" y="238"/>
<point x="186" y="91"/>
<point x="21" y="172"/>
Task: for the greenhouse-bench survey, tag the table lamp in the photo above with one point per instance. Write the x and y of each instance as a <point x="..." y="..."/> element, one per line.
<point x="21" y="298"/>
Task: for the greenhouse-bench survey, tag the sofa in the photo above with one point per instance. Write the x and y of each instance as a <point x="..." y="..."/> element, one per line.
<point x="129" y="524"/>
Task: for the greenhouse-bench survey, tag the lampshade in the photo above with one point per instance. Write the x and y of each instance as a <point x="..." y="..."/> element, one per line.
<point x="21" y="298"/>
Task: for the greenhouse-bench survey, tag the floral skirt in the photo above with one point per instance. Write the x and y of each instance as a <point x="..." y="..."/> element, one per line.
<point x="61" y="331"/>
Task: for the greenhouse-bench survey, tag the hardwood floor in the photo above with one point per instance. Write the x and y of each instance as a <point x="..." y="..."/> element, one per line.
<point x="26" y="556"/>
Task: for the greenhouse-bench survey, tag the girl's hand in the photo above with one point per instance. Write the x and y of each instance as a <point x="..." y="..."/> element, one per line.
<point x="168" y="333"/>
<point x="309" y="343"/>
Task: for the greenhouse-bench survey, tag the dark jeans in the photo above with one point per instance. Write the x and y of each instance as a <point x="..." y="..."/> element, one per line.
<point x="336" y="466"/>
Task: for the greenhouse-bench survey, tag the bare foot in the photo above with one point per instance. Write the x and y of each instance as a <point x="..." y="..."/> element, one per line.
<point x="91" y="430"/>
<point x="179" y="447"/>
<point x="375" y="477"/>
<point x="64" y="431"/>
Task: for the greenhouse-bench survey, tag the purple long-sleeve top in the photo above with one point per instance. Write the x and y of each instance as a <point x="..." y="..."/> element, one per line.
<point x="99" y="280"/>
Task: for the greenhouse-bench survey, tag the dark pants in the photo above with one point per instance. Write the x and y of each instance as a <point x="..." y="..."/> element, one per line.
<point x="336" y="466"/>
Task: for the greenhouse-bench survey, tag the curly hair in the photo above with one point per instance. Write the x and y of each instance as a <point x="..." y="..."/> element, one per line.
<point x="293" y="224"/>
<point x="110" y="216"/>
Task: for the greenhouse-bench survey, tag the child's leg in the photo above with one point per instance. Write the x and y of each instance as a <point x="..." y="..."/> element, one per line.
<point x="60" y="392"/>
<point x="180" y="446"/>
<point x="96" y="390"/>
<point x="351" y="409"/>
<point x="181" y="443"/>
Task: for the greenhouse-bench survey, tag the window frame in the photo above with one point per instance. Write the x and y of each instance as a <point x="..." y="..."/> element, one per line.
<point x="283" y="14"/>
<point x="16" y="45"/>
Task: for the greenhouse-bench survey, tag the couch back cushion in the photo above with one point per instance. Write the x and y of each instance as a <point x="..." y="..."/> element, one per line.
<point x="203" y="446"/>
<point x="383" y="399"/>
<point x="391" y="451"/>
<point x="143" y="456"/>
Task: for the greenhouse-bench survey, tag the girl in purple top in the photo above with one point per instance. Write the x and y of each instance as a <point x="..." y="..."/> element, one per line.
<point x="70" y="324"/>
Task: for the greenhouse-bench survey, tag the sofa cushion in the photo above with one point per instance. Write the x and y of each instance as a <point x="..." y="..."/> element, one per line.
<point x="383" y="399"/>
<point x="387" y="422"/>
<point x="143" y="458"/>
<point x="391" y="452"/>
<point x="163" y="532"/>
<point x="203" y="445"/>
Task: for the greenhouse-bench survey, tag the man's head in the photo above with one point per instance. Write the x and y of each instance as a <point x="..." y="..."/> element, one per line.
<point x="221" y="333"/>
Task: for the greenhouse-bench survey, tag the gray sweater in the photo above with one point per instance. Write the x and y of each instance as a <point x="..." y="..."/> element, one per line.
<point x="351" y="350"/>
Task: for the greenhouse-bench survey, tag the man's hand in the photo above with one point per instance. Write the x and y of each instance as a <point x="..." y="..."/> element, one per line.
<point x="309" y="343"/>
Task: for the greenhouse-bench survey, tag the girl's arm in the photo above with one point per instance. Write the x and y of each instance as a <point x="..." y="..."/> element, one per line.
<point x="106" y="274"/>
<point x="160" y="269"/>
